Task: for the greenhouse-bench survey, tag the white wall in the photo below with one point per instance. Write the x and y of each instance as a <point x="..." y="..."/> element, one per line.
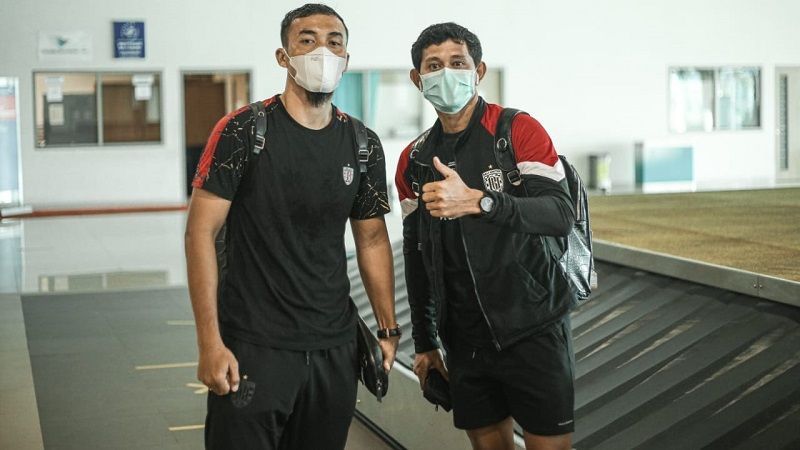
<point x="593" y="72"/>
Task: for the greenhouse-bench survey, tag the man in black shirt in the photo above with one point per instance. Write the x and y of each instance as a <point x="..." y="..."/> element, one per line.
<point x="477" y="271"/>
<point x="276" y="334"/>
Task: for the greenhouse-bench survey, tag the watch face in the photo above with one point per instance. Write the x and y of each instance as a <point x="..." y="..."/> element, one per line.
<point x="486" y="204"/>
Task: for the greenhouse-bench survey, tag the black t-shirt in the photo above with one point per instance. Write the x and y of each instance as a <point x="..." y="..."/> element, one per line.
<point x="286" y="284"/>
<point x="465" y="322"/>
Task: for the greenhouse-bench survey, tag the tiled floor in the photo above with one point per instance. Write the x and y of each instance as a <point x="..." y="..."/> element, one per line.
<point x="87" y="306"/>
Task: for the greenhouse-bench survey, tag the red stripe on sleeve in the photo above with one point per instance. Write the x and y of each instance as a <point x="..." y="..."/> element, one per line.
<point x="201" y="175"/>
<point x="404" y="190"/>
<point x="531" y="141"/>
<point x="204" y="166"/>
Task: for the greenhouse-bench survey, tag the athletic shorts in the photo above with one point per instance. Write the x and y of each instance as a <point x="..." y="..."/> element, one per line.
<point x="286" y="399"/>
<point x="532" y="381"/>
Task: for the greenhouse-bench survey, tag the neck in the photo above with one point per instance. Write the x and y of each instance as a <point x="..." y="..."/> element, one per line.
<point x="301" y="110"/>
<point x="456" y="123"/>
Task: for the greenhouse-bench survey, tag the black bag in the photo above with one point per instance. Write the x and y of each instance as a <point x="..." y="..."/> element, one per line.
<point x="370" y="362"/>
<point x="437" y="390"/>
<point x="574" y="252"/>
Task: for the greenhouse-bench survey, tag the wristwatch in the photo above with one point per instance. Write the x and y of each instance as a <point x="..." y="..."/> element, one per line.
<point x="386" y="333"/>
<point x="486" y="204"/>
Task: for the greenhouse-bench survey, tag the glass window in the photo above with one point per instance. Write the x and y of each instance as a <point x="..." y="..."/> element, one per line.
<point x="707" y="99"/>
<point x="66" y="109"/>
<point x="9" y="143"/>
<point x="131" y="110"/>
<point x="738" y="98"/>
<point x="85" y="108"/>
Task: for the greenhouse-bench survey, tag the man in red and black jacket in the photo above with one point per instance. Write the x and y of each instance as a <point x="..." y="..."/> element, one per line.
<point x="477" y="270"/>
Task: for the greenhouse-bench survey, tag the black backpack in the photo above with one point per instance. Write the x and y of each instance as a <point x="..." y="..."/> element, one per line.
<point x="574" y="252"/>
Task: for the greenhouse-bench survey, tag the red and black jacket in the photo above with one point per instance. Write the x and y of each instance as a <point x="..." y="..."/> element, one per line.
<point x="519" y="286"/>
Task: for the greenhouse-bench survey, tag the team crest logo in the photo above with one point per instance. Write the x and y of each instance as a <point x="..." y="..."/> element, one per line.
<point x="347" y="175"/>
<point x="493" y="180"/>
<point x="242" y="397"/>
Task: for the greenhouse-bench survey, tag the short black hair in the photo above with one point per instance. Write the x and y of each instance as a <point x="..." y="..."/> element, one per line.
<point x="309" y="9"/>
<point x="441" y="32"/>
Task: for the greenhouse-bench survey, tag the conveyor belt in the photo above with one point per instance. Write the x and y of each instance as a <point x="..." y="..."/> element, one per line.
<point x="665" y="363"/>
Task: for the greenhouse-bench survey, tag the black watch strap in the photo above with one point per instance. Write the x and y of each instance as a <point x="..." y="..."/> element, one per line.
<point x="389" y="332"/>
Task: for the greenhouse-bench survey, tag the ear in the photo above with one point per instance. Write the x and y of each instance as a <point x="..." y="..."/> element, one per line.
<point x="281" y="57"/>
<point x="347" y="62"/>
<point x="413" y="74"/>
<point x="481" y="71"/>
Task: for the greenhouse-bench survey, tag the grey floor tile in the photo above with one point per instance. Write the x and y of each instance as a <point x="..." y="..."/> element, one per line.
<point x="20" y="431"/>
<point x="109" y="432"/>
<point x="96" y="345"/>
<point x="177" y="345"/>
<point x="19" y="401"/>
<point x="15" y="370"/>
<point x="13" y="341"/>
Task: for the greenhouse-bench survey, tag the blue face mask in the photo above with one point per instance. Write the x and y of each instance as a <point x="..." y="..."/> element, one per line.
<point x="449" y="90"/>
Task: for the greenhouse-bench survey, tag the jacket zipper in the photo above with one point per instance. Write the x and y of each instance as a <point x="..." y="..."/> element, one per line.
<point x="472" y="276"/>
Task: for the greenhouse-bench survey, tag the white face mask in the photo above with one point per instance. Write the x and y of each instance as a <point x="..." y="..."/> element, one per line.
<point x="318" y="70"/>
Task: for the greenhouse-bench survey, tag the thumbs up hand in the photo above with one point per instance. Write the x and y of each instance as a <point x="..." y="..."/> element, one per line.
<point x="450" y="198"/>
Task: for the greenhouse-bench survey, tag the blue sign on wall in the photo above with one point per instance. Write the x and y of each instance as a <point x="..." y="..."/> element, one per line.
<point x="128" y="39"/>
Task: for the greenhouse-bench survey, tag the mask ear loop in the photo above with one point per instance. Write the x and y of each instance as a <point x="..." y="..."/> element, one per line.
<point x="289" y="65"/>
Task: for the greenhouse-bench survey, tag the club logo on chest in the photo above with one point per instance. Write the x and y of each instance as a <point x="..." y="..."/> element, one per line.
<point x="347" y="175"/>
<point x="493" y="180"/>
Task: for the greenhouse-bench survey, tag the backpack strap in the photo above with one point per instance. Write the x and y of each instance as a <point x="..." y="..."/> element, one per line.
<point x="503" y="148"/>
<point x="259" y="126"/>
<point x="362" y="150"/>
<point x="416" y="146"/>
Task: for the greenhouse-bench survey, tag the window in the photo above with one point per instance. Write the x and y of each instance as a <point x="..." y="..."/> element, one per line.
<point x="9" y="143"/>
<point x="131" y="111"/>
<point x="87" y="108"/>
<point x="391" y="105"/>
<point x="708" y="99"/>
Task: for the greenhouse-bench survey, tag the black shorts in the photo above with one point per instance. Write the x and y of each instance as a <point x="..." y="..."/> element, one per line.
<point x="287" y="399"/>
<point x="532" y="381"/>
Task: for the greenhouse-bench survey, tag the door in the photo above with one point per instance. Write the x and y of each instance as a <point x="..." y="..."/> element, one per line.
<point x="788" y="126"/>
<point x="207" y="97"/>
<point x="10" y="178"/>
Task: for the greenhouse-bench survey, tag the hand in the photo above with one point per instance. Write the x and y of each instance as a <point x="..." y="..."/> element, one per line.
<point x="389" y="349"/>
<point x="423" y="362"/>
<point x="450" y="198"/>
<point x="219" y="370"/>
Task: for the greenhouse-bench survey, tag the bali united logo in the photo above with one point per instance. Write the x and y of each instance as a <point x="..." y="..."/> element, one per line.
<point x="493" y="180"/>
<point x="347" y="175"/>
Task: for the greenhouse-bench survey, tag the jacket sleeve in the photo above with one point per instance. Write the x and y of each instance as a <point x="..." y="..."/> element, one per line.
<point x="546" y="208"/>
<point x="423" y="308"/>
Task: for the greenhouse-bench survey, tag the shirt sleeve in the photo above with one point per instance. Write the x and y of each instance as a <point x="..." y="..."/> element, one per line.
<point x="546" y="208"/>
<point x="534" y="149"/>
<point x="225" y="155"/>
<point x="372" y="199"/>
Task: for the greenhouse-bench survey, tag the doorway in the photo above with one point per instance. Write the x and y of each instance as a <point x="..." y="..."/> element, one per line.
<point x="787" y="125"/>
<point x="207" y="97"/>
<point x="10" y="176"/>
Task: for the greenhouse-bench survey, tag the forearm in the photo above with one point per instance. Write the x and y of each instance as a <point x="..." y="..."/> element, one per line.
<point x="376" y="265"/>
<point x="423" y="309"/>
<point x="201" y="266"/>
<point x="549" y="212"/>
